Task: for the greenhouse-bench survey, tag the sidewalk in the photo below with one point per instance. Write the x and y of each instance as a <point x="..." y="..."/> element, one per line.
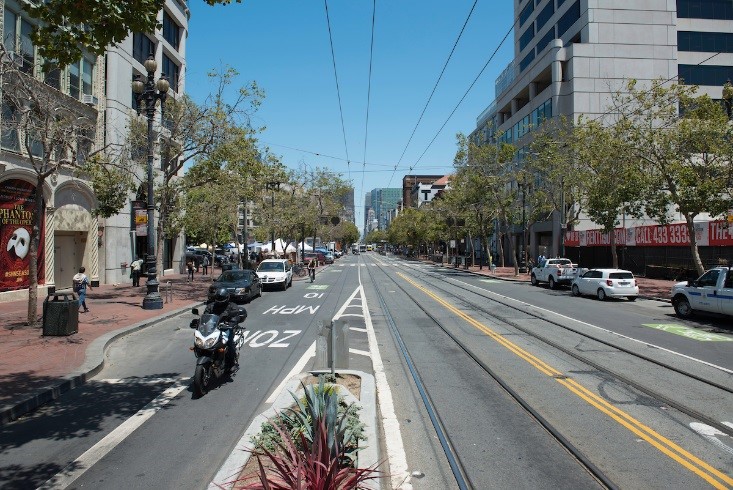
<point x="659" y="289"/>
<point x="36" y="369"/>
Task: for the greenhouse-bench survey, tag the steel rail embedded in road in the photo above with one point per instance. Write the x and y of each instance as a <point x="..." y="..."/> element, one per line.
<point x="586" y="360"/>
<point x="453" y="458"/>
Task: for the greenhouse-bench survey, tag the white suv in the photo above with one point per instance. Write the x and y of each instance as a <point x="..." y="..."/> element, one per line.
<point x="276" y="272"/>
<point x="606" y="283"/>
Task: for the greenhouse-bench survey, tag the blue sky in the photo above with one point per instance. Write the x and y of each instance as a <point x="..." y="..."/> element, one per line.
<point x="284" y="46"/>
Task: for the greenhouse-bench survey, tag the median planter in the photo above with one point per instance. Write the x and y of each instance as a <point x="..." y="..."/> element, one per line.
<point x="313" y="426"/>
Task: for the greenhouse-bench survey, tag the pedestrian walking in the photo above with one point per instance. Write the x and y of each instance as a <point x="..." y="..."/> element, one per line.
<point x="135" y="269"/>
<point x="206" y="265"/>
<point x="189" y="268"/>
<point x="81" y="283"/>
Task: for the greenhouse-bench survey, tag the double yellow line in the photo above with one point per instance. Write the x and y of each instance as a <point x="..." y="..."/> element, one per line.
<point x="705" y="471"/>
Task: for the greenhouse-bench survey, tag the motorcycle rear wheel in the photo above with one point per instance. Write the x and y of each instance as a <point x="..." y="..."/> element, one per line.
<point x="202" y="380"/>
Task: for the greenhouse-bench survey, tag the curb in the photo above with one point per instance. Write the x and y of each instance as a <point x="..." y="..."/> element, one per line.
<point x="93" y="363"/>
<point x="368" y="456"/>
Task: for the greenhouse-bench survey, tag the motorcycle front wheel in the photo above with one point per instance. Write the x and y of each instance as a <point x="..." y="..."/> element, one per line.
<point x="202" y="380"/>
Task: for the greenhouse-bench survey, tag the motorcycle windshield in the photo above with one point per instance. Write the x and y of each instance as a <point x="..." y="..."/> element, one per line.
<point x="208" y="324"/>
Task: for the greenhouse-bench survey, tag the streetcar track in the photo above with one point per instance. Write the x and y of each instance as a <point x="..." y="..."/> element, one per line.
<point x="644" y="389"/>
<point x="453" y="458"/>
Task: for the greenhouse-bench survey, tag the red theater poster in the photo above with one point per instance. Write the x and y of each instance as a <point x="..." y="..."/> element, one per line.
<point x="17" y="211"/>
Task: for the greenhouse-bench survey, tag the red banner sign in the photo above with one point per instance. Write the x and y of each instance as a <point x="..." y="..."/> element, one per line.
<point x="709" y="233"/>
<point x="17" y="212"/>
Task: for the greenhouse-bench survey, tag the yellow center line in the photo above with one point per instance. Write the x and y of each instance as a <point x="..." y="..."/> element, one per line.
<point x="704" y="470"/>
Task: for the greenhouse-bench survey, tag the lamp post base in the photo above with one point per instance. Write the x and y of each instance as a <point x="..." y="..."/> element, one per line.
<point x="152" y="300"/>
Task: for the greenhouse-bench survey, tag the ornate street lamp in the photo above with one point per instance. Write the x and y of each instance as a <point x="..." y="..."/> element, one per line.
<point x="148" y="92"/>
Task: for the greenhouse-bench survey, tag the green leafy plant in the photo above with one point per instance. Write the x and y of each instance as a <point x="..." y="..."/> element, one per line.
<point x="296" y="462"/>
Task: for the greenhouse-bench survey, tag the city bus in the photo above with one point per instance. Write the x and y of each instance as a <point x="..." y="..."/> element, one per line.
<point x="362" y="248"/>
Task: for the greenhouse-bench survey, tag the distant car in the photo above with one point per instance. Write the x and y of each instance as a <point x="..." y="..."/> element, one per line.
<point x="329" y="258"/>
<point x="606" y="283"/>
<point x="276" y="272"/>
<point x="242" y="284"/>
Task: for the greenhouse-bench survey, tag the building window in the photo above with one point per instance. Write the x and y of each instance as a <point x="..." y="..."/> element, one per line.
<point x="526" y="38"/>
<point x="52" y="74"/>
<point x="26" y="47"/>
<point x="708" y="42"/>
<point x="705" y="75"/>
<point x="171" y="31"/>
<point x="526" y="61"/>
<point x="87" y="76"/>
<point x="142" y="47"/>
<point x="74" y="80"/>
<point x="171" y="70"/>
<point x="545" y="15"/>
<point x="568" y="19"/>
<point x="526" y="13"/>
<point x="546" y="39"/>
<point x="10" y="29"/>
<point x="705" y="9"/>
<point x="9" y="137"/>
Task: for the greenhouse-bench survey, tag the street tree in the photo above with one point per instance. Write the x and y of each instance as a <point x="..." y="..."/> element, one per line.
<point x="682" y="143"/>
<point x="494" y="166"/>
<point x="55" y="134"/>
<point x="68" y="26"/>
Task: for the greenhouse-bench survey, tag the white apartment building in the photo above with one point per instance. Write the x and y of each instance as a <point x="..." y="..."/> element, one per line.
<point x="571" y="55"/>
<point x="98" y="88"/>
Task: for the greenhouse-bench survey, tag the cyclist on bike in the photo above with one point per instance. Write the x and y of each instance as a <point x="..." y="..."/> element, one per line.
<point x="312" y="268"/>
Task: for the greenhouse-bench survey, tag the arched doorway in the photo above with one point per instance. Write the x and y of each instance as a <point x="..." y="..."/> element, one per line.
<point x="75" y="230"/>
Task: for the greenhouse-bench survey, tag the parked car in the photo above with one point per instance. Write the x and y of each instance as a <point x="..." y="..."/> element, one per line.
<point x="276" y="272"/>
<point x="606" y="283"/>
<point x="319" y="256"/>
<point x="329" y="258"/>
<point x="242" y="284"/>
<point x="711" y="293"/>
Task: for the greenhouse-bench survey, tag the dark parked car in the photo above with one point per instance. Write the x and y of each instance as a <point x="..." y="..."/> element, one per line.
<point x="320" y="257"/>
<point x="242" y="284"/>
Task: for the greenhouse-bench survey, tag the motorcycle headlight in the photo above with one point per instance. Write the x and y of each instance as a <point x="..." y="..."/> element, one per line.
<point x="240" y="291"/>
<point x="199" y="342"/>
<point x="210" y="342"/>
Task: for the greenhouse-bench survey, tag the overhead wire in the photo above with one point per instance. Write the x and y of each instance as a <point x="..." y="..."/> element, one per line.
<point x="369" y="94"/>
<point x="338" y="90"/>
<point x="465" y="94"/>
<point x="430" y="97"/>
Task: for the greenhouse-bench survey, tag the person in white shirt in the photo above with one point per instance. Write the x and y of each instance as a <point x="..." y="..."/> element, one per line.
<point x="135" y="270"/>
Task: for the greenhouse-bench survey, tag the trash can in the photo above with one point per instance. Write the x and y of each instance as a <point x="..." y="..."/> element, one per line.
<point x="61" y="314"/>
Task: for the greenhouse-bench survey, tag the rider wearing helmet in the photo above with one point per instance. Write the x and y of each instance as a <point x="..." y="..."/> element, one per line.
<point x="219" y="304"/>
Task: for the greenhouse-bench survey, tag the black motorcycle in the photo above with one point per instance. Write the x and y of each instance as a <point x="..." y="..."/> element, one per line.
<point x="211" y="347"/>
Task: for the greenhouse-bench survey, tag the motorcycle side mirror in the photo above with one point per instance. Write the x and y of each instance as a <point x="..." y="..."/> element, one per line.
<point x="194" y="323"/>
<point x="195" y="311"/>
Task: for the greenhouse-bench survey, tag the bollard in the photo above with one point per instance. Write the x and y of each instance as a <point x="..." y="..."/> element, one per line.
<point x="322" y="342"/>
<point x="169" y="293"/>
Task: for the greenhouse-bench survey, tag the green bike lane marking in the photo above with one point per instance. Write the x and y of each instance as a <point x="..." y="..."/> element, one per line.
<point x="688" y="332"/>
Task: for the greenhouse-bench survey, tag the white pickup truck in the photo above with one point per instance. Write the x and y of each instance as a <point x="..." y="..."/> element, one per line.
<point x="554" y="272"/>
<point x="712" y="292"/>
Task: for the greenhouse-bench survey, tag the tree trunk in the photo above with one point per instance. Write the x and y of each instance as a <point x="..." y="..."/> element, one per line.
<point x="159" y="246"/>
<point x="32" y="319"/>
<point x="500" y="249"/>
<point x="512" y="250"/>
<point x="614" y="252"/>
<point x="693" y="244"/>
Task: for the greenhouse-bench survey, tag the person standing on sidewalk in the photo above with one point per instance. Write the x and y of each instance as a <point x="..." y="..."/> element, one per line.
<point x="81" y="283"/>
<point x="135" y="269"/>
<point x="189" y="268"/>
<point x="206" y="265"/>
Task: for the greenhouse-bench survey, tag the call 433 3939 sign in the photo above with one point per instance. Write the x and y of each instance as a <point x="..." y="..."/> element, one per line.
<point x="709" y="233"/>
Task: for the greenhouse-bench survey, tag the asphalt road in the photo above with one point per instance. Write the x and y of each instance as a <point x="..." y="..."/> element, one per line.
<point x="182" y="441"/>
<point x="137" y="425"/>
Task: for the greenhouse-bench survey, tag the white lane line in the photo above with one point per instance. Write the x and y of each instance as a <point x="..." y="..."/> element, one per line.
<point x="729" y="371"/>
<point x="351" y="314"/>
<point x="80" y="465"/>
<point x="360" y="352"/>
<point x="398" y="470"/>
<point x="357" y="329"/>
<point x="711" y="434"/>
<point x="137" y="381"/>
<point x="346" y="304"/>
<point x="311" y="352"/>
